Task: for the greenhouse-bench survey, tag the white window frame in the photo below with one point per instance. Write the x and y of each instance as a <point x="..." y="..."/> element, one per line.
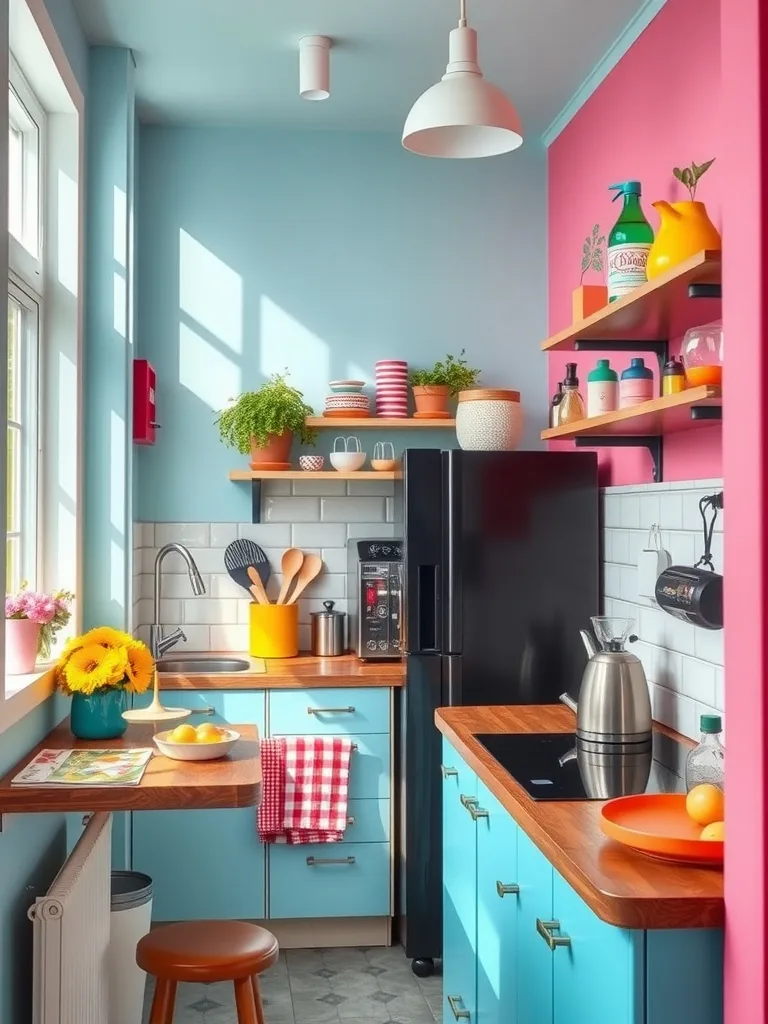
<point x="30" y="430"/>
<point x="25" y="254"/>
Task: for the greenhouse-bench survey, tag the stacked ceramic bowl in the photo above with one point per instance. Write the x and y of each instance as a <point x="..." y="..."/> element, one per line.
<point x="347" y="400"/>
<point x="392" y="388"/>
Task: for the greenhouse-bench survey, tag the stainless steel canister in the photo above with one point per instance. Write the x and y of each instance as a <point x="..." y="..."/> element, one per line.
<point x="328" y="628"/>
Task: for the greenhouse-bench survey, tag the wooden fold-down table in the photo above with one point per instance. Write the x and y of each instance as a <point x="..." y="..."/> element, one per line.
<point x="232" y="781"/>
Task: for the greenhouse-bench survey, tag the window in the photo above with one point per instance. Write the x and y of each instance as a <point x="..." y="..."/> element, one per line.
<point x="22" y="437"/>
<point x="26" y="126"/>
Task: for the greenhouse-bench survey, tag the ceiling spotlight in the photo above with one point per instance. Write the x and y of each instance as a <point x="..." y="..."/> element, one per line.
<point x="314" y="67"/>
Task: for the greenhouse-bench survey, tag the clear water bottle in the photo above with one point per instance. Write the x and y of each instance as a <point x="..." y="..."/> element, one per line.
<point x="706" y="762"/>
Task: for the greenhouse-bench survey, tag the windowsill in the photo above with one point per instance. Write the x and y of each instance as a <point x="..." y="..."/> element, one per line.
<point x="23" y="694"/>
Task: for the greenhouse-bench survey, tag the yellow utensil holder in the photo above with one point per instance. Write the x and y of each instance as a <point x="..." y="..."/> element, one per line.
<point x="274" y="630"/>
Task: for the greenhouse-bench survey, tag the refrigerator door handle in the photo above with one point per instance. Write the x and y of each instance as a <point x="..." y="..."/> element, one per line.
<point x="429" y="608"/>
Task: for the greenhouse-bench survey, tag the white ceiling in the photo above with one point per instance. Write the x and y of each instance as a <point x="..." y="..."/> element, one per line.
<point x="232" y="61"/>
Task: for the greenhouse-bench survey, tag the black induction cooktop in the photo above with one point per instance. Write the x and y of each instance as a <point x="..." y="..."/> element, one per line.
<point x="550" y="766"/>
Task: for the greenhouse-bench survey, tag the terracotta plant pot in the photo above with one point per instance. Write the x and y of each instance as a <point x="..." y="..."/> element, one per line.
<point x="432" y="400"/>
<point x="588" y="299"/>
<point x="277" y="449"/>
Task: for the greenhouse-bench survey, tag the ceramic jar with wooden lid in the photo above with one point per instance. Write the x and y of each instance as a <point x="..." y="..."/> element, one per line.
<point x="489" y="419"/>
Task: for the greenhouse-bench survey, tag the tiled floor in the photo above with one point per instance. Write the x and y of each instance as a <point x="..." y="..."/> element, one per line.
<point x="325" y="986"/>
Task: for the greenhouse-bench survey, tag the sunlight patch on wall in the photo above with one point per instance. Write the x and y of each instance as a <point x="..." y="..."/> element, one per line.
<point x="66" y="471"/>
<point x="210" y="292"/>
<point x="117" y="574"/>
<point x="120" y="226"/>
<point x="117" y="472"/>
<point x="286" y="342"/>
<point x="67" y="209"/>
<point x="205" y="371"/>
<point x="120" y="303"/>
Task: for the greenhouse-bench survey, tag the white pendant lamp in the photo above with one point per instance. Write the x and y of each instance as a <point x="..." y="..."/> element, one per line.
<point x="314" y="67"/>
<point x="463" y="115"/>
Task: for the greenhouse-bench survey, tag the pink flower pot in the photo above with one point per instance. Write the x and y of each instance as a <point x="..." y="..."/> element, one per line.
<point x="21" y="639"/>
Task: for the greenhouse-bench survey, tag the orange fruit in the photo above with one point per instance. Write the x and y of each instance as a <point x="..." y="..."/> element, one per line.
<point x="715" y="832"/>
<point x="206" y="730"/>
<point x="183" y="734"/>
<point x="705" y="804"/>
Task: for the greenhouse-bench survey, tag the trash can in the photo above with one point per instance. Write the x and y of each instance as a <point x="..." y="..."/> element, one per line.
<point x="130" y="917"/>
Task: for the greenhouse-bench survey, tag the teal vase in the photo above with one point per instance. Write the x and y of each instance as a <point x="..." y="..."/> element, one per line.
<point x="99" y="716"/>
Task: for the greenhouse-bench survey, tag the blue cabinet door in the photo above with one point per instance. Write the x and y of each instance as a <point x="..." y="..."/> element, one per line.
<point x="534" y="958"/>
<point x="226" y="707"/>
<point x="599" y="975"/>
<point x="329" y="880"/>
<point x="497" y="898"/>
<point x="459" y="888"/>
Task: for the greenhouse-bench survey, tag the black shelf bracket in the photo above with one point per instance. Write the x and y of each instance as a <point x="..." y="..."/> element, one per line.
<point x="705" y="291"/>
<point x="653" y="442"/>
<point x="659" y="347"/>
<point x="255" y="501"/>
<point x="706" y="413"/>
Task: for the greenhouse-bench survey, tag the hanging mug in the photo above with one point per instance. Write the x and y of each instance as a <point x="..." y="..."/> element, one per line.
<point x="384" y="457"/>
<point x="347" y="456"/>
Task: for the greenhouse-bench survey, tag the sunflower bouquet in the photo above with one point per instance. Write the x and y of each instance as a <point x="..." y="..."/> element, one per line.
<point x="104" y="659"/>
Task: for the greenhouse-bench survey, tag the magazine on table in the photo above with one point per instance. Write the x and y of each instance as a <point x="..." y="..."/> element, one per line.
<point x="85" y="768"/>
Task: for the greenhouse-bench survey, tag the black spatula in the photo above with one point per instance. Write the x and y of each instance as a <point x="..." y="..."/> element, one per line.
<point x="239" y="555"/>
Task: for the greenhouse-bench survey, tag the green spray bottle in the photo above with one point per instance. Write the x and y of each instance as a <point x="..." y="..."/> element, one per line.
<point x="628" y="243"/>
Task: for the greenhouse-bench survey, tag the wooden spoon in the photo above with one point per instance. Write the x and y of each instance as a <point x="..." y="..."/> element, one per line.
<point x="257" y="587"/>
<point x="309" y="570"/>
<point x="292" y="561"/>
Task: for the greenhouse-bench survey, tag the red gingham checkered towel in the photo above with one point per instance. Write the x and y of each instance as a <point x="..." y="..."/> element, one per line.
<point x="305" y="789"/>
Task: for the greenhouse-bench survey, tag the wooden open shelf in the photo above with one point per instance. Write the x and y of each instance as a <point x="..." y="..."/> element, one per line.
<point x="379" y="422"/>
<point x="645" y="314"/>
<point x="304" y="474"/>
<point x="665" y="415"/>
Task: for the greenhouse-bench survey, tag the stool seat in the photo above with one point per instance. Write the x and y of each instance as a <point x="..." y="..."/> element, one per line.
<point x="207" y="951"/>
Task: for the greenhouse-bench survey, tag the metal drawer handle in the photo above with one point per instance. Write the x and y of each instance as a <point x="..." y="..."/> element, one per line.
<point x="448" y="773"/>
<point x="467" y="801"/>
<point x="477" y="812"/>
<point x="507" y="890"/>
<point x="545" y="930"/>
<point x="204" y="711"/>
<point x="318" y="862"/>
<point x="458" y="1012"/>
<point x="351" y="820"/>
<point x="331" y="711"/>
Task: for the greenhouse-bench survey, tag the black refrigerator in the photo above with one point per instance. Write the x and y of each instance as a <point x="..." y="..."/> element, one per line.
<point x="501" y="571"/>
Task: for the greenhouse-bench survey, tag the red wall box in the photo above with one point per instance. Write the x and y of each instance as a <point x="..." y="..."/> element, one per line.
<point x="144" y="408"/>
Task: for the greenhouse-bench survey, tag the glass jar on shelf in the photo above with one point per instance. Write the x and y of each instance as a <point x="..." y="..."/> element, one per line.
<point x="702" y="354"/>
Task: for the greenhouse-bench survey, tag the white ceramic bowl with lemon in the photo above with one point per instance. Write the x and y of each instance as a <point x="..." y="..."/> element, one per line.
<point x="204" y="743"/>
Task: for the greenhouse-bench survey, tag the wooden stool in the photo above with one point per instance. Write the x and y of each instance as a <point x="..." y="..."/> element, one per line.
<point x="208" y="951"/>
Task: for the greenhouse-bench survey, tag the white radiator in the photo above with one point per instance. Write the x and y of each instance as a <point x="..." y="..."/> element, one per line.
<point x="71" y="934"/>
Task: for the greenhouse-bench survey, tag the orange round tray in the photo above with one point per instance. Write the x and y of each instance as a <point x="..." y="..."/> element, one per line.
<point x="347" y="414"/>
<point x="657" y="824"/>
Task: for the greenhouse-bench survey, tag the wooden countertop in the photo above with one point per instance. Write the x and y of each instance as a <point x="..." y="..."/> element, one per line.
<point x="622" y="887"/>
<point x="291" y="673"/>
<point x="233" y="781"/>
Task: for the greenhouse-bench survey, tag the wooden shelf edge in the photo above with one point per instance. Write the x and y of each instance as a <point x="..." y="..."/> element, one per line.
<point x="302" y="474"/>
<point x="381" y="422"/>
<point x="708" y="261"/>
<point x="705" y="393"/>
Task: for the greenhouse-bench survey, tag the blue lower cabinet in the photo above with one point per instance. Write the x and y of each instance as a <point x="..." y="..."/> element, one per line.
<point x="534" y="958"/>
<point x="367" y="821"/>
<point x="329" y="880"/>
<point x="497" y="909"/>
<point x="204" y="864"/>
<point x="225" y="707"/>
<point x="369" y="767"/>
<point x="329" y="712"/>
<point x="602" y="967"/>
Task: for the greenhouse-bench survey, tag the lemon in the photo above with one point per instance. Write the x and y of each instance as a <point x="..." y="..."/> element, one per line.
<point x="714" y="832"/>
<point x="206" y="730"/>
<point x="183" y="734"/>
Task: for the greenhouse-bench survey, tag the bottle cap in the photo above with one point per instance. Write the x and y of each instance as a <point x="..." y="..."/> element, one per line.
<point x="570" y="375"/>
<point x="711" y="723"/>
<point x="673" y="366"/>
<point x="626" y="188"/>
<point x="637" y="370"/>
<point x="602" y="371"/>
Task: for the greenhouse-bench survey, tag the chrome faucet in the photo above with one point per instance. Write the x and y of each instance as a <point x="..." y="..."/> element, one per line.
<point x="158" y="643"/>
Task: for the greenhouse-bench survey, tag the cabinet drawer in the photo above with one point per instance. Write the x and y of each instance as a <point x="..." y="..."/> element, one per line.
<point x="371" y="821"/>
<point x="369" y="768"/>
<point x="356" y="887"/>
<point x="331" y="712"/>
<point x="230" y="707"/>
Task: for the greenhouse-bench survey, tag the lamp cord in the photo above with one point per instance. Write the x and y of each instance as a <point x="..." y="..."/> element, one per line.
<point x="710" y="502"/>
<point x="462" y="13"/>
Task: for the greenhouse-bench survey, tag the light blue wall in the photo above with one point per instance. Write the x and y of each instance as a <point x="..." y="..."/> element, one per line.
<point x="108" y="338"/>
<point x="322" y="252"/>
<point x="71" y="36"/>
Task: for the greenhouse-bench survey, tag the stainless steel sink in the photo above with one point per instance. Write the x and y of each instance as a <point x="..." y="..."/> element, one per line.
<point x="202" y="664"/>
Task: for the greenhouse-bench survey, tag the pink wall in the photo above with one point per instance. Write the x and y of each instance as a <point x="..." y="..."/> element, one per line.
<point x="657" y="109"/>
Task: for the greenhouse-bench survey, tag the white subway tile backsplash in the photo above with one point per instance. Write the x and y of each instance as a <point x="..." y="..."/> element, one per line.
<point x="198" y="639"/>
<point x="319" y="535"/>
<point x="719" y="687"/>
<point x="305" y="637"/>
<point x="223" y="534"/>
<point x="363" y="531"/>
<point x="611" y="509"/>
<point x="699" y="680"/>
<point x="334" y="559"/>
<point x="291" y="510"/>
<point x="207" y="611"/>
<point x="681" y="547"/>
<point x="268" y="535"/>
<point x="671" y="511"/>
<point x="630" y="511"/>
<point x="328" y="585"/>
<point x="172" y="584"/>
<point x="319" y="488"/>
<point x="223" y="586"/>
<point x="650" y="510"/>
<point x="229" y="638"/>
<point x="691" y="513"/>
<point x="612" y="581"/>
<point x="147" y="535"/>
<point x="191" y="535"/>
<point x="353" y="510"/>
<point x="668" y="669"/>
<point x="628" y="583"/>
<point x="390" y="510"/>
<point x="620" y="547"/>
<point x="674" y="710"/>
<point x="709" y="645"/>
<point x="370" y="488"/>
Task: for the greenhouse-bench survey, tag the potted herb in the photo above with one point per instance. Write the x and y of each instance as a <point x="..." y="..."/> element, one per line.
<point x="685" y="228"/>
<point x="264" y="423"/>
<point x="433" y="388"/>
<point x="589" y="298"/>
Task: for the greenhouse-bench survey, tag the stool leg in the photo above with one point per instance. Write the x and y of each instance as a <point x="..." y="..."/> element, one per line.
<point x="246" y="1008"/>
<point x="163" y="1002"/>
<point x="257" y="1000"/>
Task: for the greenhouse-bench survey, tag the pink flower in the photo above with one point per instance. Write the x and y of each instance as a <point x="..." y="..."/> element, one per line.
<point x="12" y="605"/>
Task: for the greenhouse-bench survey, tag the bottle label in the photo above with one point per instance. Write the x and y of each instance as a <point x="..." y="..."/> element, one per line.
<point x="627" y="267"/>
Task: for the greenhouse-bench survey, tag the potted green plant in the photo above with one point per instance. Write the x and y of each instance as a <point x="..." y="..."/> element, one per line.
<point x="432" y="389"/>
<point x="264" y="423"/>
<point x="588" y="298"/>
